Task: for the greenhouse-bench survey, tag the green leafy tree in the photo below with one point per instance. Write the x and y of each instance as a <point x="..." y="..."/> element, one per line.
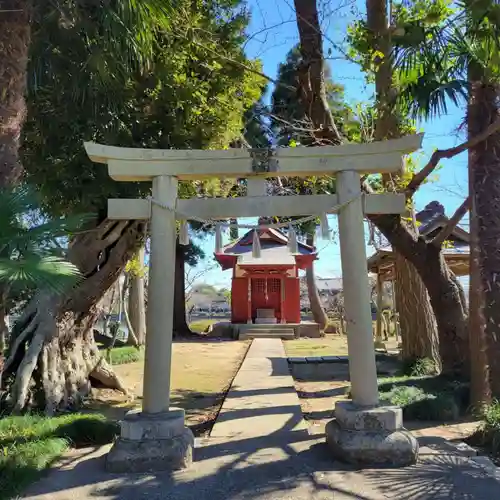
<point x="179" y="95"/>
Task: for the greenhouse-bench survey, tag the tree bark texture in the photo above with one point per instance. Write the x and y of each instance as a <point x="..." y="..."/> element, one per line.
<point x="419" y="337"/>
<point x="137" y="304"/>
<point x="480" y="393"/>
<point x="484" y="163"/>
<point x="53" y="358"/>
<point x="180" y="327"/>
<point x="312" y="90"/>
<point x="15" y="34"/>
<point x="318" y="313"/>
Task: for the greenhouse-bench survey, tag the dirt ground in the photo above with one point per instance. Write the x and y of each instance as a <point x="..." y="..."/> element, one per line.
<point x="202" y="373"/>
<point x="329" y="345"/>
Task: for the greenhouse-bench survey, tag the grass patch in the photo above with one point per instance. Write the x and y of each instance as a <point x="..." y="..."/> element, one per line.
<point x="488" y="433"/>
<point x="200" y="325"/>
<point x="426" y="398"/>
<point x="31" y="443"/>
<point x="125" y="354"/>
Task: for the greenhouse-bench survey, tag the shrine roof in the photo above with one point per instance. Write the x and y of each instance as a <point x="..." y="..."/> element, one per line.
<point x="274" y="250"/>
<point x="270" y="239"/>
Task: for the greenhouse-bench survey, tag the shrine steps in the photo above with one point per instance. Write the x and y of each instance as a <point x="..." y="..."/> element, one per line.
<point x="263" y="331"/>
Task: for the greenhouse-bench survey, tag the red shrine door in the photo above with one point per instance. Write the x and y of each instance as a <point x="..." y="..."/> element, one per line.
<point x="266" y="294"/>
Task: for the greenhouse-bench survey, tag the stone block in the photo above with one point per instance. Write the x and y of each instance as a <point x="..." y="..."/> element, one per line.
<point x="297" y="360"/>
<point x="371" y="448"/>
<point x="376" y="419"/>
<point x="138" y="426"/>
<point x="314" y="359"/>
<point x="152" y="442"/>
<point x="151" y="455"/>
<point x="329" y="359"/>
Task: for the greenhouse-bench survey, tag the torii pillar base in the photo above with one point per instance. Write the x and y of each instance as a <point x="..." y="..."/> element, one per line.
<point x="152" y="443"/>
<point x="370" y="437"/>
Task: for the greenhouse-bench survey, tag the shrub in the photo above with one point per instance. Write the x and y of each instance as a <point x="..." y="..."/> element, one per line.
<point x="426" y="398"/>
<point x="488" y="433"/>
<point x="420" y="368"/>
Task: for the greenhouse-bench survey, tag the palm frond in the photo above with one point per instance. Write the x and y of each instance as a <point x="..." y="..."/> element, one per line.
<point x="50" y="273"/>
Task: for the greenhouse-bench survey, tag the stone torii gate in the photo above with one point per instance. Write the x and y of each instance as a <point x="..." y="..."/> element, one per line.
<point x="156" y="437"/>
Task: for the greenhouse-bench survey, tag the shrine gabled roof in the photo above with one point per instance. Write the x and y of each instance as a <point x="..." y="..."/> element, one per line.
<point x="272" y="242"/>
<point x="274" y="251"/>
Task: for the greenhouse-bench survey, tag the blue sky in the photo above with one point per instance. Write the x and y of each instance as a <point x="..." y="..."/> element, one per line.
<point x="272" y="33"/>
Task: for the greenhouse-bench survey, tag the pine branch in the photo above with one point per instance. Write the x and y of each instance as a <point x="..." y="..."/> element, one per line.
<point x="452" y="223"/>
<point x="441" y="154"/>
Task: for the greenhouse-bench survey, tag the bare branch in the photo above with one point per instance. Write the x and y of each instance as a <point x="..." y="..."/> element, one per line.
<point x="441" y="154"/>
<point x="452" y="223"/>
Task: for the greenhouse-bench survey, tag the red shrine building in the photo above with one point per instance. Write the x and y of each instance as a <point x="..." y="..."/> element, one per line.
<point x="265" y="289"/>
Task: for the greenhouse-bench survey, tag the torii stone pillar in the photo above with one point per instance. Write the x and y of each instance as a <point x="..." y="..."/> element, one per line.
<point x="363" y="432"/>
<point x="156" y="437"/>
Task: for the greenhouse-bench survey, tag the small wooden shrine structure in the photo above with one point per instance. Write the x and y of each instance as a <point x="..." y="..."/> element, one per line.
<point x="265" y="289"/>
<point x="430" y="221"/>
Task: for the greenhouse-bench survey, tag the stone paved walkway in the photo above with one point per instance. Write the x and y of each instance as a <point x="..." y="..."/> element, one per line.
<point x="262" y="399"/>
<point x="259" y="450"/>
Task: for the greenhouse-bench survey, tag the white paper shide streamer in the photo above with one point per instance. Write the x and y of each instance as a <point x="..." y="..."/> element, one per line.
<point x="256" y="250"/>
<point x="292" y="240"/>
<point x="218" y="238"/>
<point x="324" y="228"/>
<point x="183" y="233"/>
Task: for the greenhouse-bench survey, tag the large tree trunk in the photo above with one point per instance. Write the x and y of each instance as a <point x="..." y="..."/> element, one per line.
<point x="53" y="357"/>
<point x="137" y="304"/>
<point x="312" y="91"/>
<point x="442" y="288"/>
<point x="484" y="162"/>
<point x="15" y="36"/>
<point x="318" y="313"/>
<point x="480" y="393"/>
<point x="4" y="330"/>
<point x="419" y="335"/>
<point x="180" y="327"/>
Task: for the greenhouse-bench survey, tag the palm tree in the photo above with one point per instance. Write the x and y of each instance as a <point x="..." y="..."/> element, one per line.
<point x="31" y="252"/>
<point x="459" y="61"/>
<point x="17" y="18"/>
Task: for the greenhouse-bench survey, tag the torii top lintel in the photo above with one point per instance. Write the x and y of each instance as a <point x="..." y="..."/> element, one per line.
<point x="135" y="164"/>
